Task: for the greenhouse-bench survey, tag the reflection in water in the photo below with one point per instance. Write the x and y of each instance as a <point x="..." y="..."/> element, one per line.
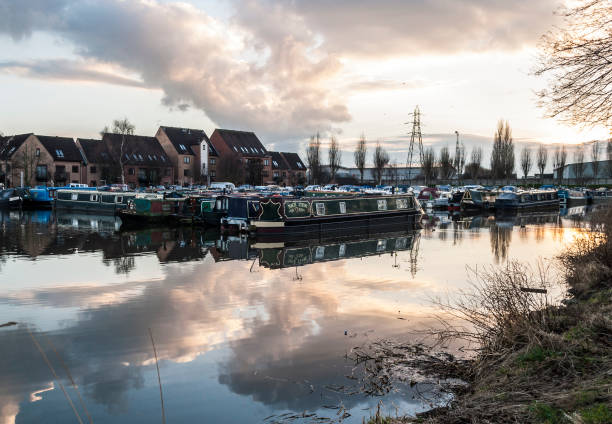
<point x="243" y="330"/>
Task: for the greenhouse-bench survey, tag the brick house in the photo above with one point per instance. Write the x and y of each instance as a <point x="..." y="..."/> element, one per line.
<point x="288" y="169"/>
<point x="210" y="159"/>
<point x="99" y="167"/>
<point x="185" y="148"/>
<point x="245" y="148"/>
<point x="144" y="160"/>
<point x="43" y="160"/>
<point x="8" y="148"/>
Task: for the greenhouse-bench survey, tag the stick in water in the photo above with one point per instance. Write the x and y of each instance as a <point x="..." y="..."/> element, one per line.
<point x="161" y="395"/>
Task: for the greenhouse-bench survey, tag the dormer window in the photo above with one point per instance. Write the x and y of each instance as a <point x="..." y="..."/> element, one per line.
<point x="183" y="148"/>
<point x="140" y="157"/>
<point x="12" y="150"/>
<point x="149" y="156"/>
<point x="59" y="153"/>
<point x="236" y="148"/>
<point x="135" y="156"/>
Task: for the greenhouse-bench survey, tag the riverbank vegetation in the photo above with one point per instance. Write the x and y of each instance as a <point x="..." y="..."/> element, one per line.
<point x="537" y="361"/>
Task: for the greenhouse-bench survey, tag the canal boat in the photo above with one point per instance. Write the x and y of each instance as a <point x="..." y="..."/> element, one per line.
<point x="241" y="210"/>
<point x="533" y="199"/>
<point x="601" y="195"/>
<point x="95" y="201"/>
<point x="454" y="203"/>
<point x="151" y="209"/>
<point x="475" y="200"/>
<point x="303" y="216"/>
<point x="569" y="197"/>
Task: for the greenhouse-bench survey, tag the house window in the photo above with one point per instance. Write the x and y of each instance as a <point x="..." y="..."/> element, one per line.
<point x="37" y="152"/>
<point x="131" y="171"/>
<point x="93" y="170"/>
<point x="75" y="168"/>
<point x="284" y="174"/>
<point x="183" y="148"/>
<point x="59" y="153"/>
<point x="213" y="174"/>
<point x="276" y="173"/>
<point x="267" y="162"/>
<point x="186" y="172"/>
<point x="41" y="172"/>
<point x="142" y="174"/>
<point x="213" y="161"/>
<point x="186" y="159"/>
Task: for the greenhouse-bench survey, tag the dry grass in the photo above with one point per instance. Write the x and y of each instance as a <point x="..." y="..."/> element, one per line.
<point x="538" y="358"/>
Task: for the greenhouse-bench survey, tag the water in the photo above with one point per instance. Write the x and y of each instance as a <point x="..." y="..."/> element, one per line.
<point x="243" y="331"/>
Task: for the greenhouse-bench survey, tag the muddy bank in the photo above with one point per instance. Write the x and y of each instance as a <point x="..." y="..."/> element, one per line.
<point x="538" y="361"/>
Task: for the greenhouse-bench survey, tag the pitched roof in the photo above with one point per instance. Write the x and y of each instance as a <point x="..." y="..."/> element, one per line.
<point x="278" y="162"/>
<point x="61" y="148"/>
<point x="294" y="161"/>
<point x="244" y="143"/>
<point x="138" y="150"/>
<point x="95" y="151"/>
<point x="13" y="142"/>
<point x="183" y="138"/>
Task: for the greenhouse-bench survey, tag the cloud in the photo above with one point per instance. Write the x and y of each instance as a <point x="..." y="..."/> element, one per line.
<point x="399" y="27"/>
<point x="67" y="70"/>
<point x="274" y="67"/>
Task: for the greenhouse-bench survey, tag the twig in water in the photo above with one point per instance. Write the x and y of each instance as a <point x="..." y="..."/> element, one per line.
<point x="55" y="375"/>
<point x="161" y="394"/>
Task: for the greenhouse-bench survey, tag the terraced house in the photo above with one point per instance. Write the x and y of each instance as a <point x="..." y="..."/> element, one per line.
<point x="288" y="169"/>
<point x="242" y="147"/>
<point x="185" y="148"/>
<point x="42" y="160"/>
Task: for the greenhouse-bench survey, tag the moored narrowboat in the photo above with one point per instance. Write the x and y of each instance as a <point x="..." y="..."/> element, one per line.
<point x="335" y="215"/>
<point x="14" y="198"/>
<point x="534" y="199"/>
<point x="571" y="197"/>
<point x="151" y="209"/>
<point x="474" y="200"/>
<point x="92" y="200"/>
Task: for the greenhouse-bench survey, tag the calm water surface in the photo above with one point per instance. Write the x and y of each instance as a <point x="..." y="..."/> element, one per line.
<point x="244" y="331"/>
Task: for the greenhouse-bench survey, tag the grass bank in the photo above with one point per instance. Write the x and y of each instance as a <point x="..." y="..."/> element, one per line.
<point x="538" y="361"/>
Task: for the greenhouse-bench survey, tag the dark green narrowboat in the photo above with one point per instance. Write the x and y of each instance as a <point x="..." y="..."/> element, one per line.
<point x="311" y="217"/>
<point x="105" y="202"/>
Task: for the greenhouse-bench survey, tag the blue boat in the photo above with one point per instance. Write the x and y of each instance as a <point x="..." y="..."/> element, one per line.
<point x="534" y="199"/>
<point x="571" y="197"/>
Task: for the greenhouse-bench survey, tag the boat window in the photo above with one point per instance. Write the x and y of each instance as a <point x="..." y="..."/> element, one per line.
<point x="382" y="204"/>
<point x="118" y="199"/>
<point x="320" y="208"/>
<point x="342" y="250"/>
<point x="342" y="207"/>
<point x="381" y="245"/>
<point x="402" y="203"/>
<point x="74" y="196"/>
<point x="93" y="198"/>
<point x="401" y="243"/>
<point x="320" y="251"/>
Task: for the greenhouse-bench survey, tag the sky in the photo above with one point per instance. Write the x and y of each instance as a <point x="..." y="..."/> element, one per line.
<point x="284" y="69"/>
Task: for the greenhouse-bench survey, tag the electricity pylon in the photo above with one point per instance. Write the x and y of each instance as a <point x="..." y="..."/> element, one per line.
<point x="415" y="137"/>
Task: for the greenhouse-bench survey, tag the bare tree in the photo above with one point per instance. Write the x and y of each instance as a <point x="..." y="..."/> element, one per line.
<point x="542" y="160"/>
<point x="360" y="156"/>
<point x="473" y="168"/>
<point x="335" y="156"/>
<point x="526" y="161"/>
<point x="124" y="128"/>
<point x="497" y="154"/>
<point x="26" y="161"/>
<point x="579" y="164"/>
<point x="381" y="159"/>
<point x="459" y="161"/>
<point x="502" y="155"/>
<point x="559" y="161"/>
<point x="508" y="152"/>
<point x="313" y="157"/>
<point x="595" y="151"/>
<point x="429" y="165"/>
<point x="576" y="59"/>
<point x="446" y="163"/>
